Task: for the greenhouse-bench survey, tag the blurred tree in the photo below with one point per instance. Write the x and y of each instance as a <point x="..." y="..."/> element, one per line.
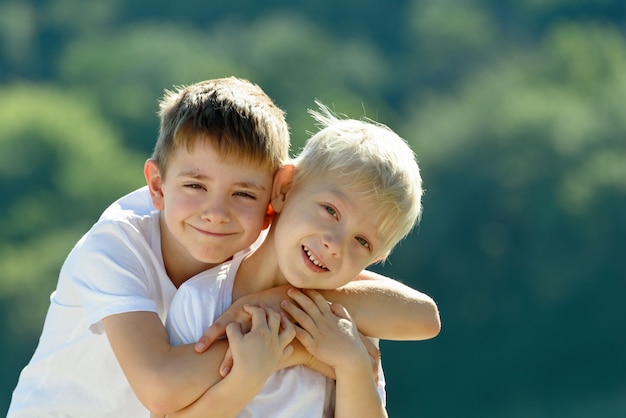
<point x="60" y="165"/>
<point x="513" y="107"/>
<point x="525" y="170"/>
<point x="127" y="70"/>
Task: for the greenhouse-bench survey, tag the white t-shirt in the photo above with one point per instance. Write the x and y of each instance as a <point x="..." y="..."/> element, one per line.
<point x="116" y="267"/>
<point x="290" y="393"/>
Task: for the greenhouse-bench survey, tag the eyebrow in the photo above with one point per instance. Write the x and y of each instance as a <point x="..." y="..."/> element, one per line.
<point x="243" y="184"/>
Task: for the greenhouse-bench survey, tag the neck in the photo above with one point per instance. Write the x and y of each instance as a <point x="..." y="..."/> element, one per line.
<point x="259" y="271"/>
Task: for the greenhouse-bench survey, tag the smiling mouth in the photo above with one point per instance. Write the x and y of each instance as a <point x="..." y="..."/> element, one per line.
<point x="212" y="233"/>
<point x="313" y="259"/>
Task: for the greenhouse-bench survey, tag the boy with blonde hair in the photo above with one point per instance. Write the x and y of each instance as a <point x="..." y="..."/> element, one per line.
<point x="104" y="350"/>
<point x="350" y="196"/>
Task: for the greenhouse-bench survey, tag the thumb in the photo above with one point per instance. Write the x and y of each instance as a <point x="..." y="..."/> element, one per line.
<point x="227" y="363"/>
<point x="211" y="334"/>
<point x="340" y="311"/>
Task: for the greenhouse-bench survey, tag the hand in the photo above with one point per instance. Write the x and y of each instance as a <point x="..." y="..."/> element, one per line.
<point x="326" y="330"/>
<point x="227" y="362"/>
<point x="235" y="313"/>
<point x="259" y="351"/>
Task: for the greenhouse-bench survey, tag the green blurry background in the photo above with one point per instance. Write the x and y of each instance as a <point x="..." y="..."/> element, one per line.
<point x="516" y="110"/>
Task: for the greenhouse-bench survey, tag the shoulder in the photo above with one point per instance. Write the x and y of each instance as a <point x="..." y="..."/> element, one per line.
<point x="122" y="241"/>
<point x="137" y="203"/>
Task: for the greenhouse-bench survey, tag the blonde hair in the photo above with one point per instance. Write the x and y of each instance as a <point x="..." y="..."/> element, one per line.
<point x="373" y="158"/>
<point x="234" y="115"/>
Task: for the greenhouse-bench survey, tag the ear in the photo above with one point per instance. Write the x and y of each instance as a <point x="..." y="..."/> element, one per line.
<point x="283" y="180"/>
<point x="154" y="179"/>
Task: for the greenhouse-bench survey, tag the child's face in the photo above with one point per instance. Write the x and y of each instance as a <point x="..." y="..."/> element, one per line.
<point x="326" y="233"/>
<point x="212" y="207"/>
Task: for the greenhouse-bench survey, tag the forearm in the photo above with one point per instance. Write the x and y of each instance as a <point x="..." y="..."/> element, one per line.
<point x="225" y="399"/>
<point x="228" y="397"/>
<point x="381" y="307"/>
<point x="387" y="309"/>
<point x="188" y="376"/>
<point x="356" y="394"/>
<point x="257" y="354"/>
<point x="164" y="378"/>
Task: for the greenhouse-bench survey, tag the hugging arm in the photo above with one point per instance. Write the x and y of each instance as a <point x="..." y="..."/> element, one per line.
<point x="257" y="354"/>
<point x="387" y="309"/>
<point x="381" y="307"/>
<point x="164" y="377"/>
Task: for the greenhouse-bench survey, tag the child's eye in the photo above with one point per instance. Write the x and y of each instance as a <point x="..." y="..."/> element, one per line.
<point x="194" y="186"/>
<point x="246" y="195"/>
<point x="331" y="211"/>
<point x="363" y="242"/>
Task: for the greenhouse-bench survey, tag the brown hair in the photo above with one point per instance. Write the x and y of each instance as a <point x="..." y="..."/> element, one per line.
<point x="234" y="115"/>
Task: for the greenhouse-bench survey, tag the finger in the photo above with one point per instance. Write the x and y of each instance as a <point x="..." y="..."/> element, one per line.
<point x="227" y="363"/>
<point x="287" y="334"/>
<point x="273" y="317"/>
<point x="215" y="331"/>
<point x="300" y="317"/>
<point x="288" y="351"/>
<point x="312" y="302"/>
<point x="319" y="300"/>
<point x="340" y="311"/>
<point x="233" y="332"/>
<point x="259" y="318"/>
<point x="285" y="323"/>
<point x="284" y="320"/>
<point x="304" y="337"/>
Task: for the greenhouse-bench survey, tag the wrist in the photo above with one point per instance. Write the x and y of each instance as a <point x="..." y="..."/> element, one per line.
<point x="356" y="367"/>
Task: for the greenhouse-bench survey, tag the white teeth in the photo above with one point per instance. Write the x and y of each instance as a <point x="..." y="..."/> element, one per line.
<point x="313" y="260"/>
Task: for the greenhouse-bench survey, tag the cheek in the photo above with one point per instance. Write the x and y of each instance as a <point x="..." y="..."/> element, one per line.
<point x="254" y="215"/>
<point x="180" y="206"/>
<point x="360" y="259"/>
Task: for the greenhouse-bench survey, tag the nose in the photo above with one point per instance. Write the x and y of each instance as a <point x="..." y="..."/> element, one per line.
<point x="332" y="242"/>
<point x="216" y="210"/>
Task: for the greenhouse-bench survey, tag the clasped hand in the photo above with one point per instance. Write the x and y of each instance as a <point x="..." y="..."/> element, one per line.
<point x="325" y="332"/>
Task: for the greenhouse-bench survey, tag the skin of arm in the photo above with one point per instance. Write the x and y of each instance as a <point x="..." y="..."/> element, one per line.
<point x="327" y="331"/>
<point x="381" y="307"/>
<point x="257" y="353"/>
<point x="228" y="397"/>
<point x="167" y="378"/>
<point x="387" y="309"/>
<point x="164" y="377"/>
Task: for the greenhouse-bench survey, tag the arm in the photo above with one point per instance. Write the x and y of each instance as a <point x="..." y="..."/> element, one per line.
<point x="165" y="378"/>
<point x="328" y="332"/>
<point x="257" y="355"/>
<point x="382" y="308"/>
<point x="168" y="378"/>
<point x="387" y="309"/>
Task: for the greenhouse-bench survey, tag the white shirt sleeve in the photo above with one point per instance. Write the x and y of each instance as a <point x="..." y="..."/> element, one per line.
<point x="115" y="270"/>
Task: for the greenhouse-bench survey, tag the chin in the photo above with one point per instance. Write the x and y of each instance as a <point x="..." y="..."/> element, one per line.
<point x="299" y="285"/>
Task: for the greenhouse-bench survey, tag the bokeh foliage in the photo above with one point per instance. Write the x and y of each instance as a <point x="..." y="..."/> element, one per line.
<point x="514" y="108"/>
